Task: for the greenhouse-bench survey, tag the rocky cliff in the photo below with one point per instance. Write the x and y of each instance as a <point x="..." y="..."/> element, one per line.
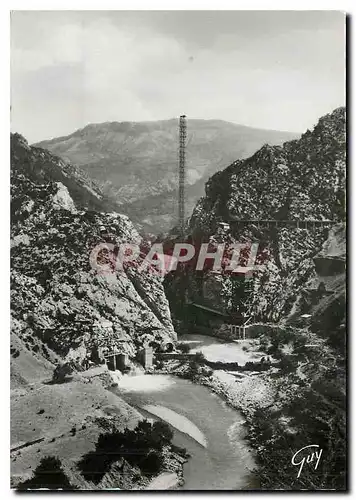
<point x="300" y="398"/>
<point x="58" y="302"/>
<point x="135" y="164"/>
<point x="309" y="399"/>
<point x="302" y="180"/>
<point x="41" y="166"/>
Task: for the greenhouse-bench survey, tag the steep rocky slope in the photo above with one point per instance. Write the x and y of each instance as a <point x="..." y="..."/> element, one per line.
<point x="56" y="296"/>
<point x="299" y="290"/>
<point x="41" y="166"/>
<point x="300" y="180"/>
<point x="136" y="163"/>
<point x="63" y="309"/>
<point x="300" y="398"/>
<point x="303" y="179"/>
<point x="310" y="391"/>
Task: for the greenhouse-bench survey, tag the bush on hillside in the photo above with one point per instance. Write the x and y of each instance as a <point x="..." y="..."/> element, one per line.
<point x="60" y="373"/>
<point x="199" y="358"/>
<point x="183" y="347"/>
<point x="48" y="474"/>
<point x="141" y="447"/>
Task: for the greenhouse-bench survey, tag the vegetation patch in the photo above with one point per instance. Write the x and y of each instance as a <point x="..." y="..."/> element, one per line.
<point x="142" y="447"/>
<point x="48" y="474"/>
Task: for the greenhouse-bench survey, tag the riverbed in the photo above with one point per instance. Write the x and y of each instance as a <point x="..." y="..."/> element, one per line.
<point x="212" y="432"/>
<point x="215" y="349"/>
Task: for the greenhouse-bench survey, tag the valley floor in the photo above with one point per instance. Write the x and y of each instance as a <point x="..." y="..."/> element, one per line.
<point x="65" y="421"/>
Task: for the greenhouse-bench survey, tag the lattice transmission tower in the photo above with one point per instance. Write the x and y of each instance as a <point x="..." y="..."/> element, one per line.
<point x="181" y="189"/>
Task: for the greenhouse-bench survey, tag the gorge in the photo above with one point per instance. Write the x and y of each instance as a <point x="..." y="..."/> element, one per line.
<point x="287" y="388"/>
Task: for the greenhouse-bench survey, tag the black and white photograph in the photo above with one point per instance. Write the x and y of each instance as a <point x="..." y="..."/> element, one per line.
<point x="178" y="250"/>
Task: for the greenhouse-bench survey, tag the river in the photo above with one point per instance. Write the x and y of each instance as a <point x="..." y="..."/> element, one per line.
<point x="212" y="432"/>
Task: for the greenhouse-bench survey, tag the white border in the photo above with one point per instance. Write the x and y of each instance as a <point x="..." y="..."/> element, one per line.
<point x="345" y="5"/>
<point x="6" y="6"/>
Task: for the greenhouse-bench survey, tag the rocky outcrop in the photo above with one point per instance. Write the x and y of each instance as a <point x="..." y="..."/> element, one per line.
<point x="41" y="166"/>
<point x="324" y="297"/>
<point x="301" y="180"/>
<point x="331" y="259"/>
<point x="56" y="295"/>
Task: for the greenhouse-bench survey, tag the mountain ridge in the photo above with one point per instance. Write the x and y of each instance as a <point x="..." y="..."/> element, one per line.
<point x="167" y="120"/>
<point x="136" y="161"/>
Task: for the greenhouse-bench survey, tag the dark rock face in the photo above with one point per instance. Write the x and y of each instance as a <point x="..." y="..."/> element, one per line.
<point x="41" y="166"/>
<point x="327" y="290"/>
<point x="135" y="164"/>
<point x="313" y="399"/>
<point x="56" y="296"/>
<point x="303" y="179"/>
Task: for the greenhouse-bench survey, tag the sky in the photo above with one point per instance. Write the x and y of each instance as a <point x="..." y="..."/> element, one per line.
<point x="278" y="70"/>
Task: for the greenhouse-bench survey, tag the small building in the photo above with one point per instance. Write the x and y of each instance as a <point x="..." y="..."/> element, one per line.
<point x="238" y="332"/>
<point x="204" y="317"/>
<point x="240" y="326"/>
<point x="244" y="272"/>
<point x="145" y="357"/>
<point x="117" y="360"/>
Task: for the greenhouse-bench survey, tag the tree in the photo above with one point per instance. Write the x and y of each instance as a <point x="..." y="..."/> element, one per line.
<point x="61" y="371"/>
<point x="151" y="463"/>
<point x="48" y="474"/>
<point x="193" y="369"/>
<point x="140" y="447"/>
<point x="199" y="358"/>
<point x="182" y="347"/>
<point x="162" y="434"/>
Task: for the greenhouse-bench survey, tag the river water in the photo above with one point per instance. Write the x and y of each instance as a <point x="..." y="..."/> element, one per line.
<point x="212" y="432"/>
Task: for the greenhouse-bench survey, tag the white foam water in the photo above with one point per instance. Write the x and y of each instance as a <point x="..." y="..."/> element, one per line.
<point x="145" y="383"/>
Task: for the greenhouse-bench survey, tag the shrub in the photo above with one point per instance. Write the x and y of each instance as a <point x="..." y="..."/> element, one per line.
<point x="207" y="372"/>
<point x="61" y="372"/>
<point x="184" y="348"/>
<point x="199" y="358"/>
<point x="193" y="370"/>
<point x="156" y="346"/>
<point x="249" y="365"/>
<point x="48" y="474"/>
<point x="141" y="447"/>
<point x="94" y="465"/>
<point x="286" y="365"/>
<point x="181" y="451"/>
<point x="159" y="364"/>
<point x="151" y="463"/>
